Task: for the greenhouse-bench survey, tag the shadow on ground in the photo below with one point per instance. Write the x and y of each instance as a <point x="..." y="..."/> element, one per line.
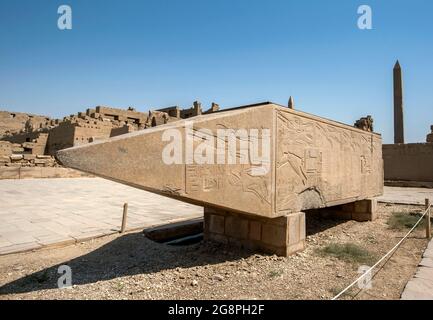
<point x="133" y="254"/>
<point x="317" y="224"/>
<point x="127" y="255"/>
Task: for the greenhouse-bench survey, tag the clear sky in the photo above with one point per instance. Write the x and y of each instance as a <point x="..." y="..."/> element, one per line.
<point x="157" y="53"/>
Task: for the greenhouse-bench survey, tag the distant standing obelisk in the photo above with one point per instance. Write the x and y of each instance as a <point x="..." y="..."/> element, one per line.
<point x="398" y="105"/>
<point x="291" y="103"/>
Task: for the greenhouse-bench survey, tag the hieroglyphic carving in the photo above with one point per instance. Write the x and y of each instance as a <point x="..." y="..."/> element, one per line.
<point x="314" y="159"/>
<point x="256" y="185"/>
<point x="192" y="179"/>
<point x="202" y="178"/>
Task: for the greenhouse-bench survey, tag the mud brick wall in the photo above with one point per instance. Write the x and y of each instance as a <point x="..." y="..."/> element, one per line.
<point x="408" y="162"/>
<point x="283" y="235"/>
<point x="27" y="160"/>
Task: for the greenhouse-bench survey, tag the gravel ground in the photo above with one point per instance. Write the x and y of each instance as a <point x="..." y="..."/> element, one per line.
<point x="133" y="267"/>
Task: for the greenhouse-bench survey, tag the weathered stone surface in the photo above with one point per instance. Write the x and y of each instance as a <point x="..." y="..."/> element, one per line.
<point x="283" y="236"/>
<point x="314" y="163"/>
<point x="427" y="262"/>
<point x="41" y="156"/>
<point x="398" y="105"/>
<point x="362" y="210"/>
<point x="430" y="135"/>
<point x="429" y="254"/>
<point x="236" y="227"/>
<point x="29" y="157"/>
<point x="255" y="232"/>
<point x="425" y="273"/>
<point x="216" y="224"/>
<point x="9" y="173"/>
<point x="5" y="159"/>
<point x="418" y="289"/>
<point x="16" y="157"/>
<point x="5" y="148"/>
<point x="14" y="122"/>
<point x="365" y="123"/>
<point x="41" y="219"/>
<point x="20" y="172"/>
<point x="30" y="173"/>
<point x="408" y="162"/>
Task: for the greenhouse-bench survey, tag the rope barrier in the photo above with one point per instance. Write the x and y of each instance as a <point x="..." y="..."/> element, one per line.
<point x="383" y="258"/>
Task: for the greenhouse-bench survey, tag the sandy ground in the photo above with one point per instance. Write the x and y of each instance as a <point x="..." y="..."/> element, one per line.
<point x="133" y="267"/>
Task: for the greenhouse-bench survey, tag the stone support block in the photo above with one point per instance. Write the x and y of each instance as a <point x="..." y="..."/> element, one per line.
<point x="282" y="236"/>
<point x="363" y="210"/>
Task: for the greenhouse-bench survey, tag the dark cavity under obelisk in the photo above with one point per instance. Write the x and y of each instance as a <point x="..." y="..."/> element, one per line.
<point x="398" y="105"/>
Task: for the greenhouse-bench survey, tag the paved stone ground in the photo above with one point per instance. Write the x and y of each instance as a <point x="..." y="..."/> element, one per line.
<point x="406" y="195"/>
<point x="41" y="212"/>
<point x="421" y="285"/>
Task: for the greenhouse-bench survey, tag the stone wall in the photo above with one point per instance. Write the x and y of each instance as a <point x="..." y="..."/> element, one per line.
<point x="129" y="116"/>
<point x="61" y="137"/>
<point x="46" y="136"/>
<point x="95" y="124"/>
<point x="28" y="166"/>
<point x="127" y="128"/>
<point x="15" y="122"/>
<point x="27" y="160"/>
<point x="5" y="148"/>
<point x="408" y="162"/>
<point x="39" y="173"/>
<point x="28" y="143"/>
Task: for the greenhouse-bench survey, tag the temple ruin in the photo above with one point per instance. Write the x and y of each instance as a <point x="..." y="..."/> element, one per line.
<point x="30" y="141"/>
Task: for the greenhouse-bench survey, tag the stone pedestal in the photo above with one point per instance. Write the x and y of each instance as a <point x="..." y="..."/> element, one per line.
<point x="364" y="210"/>
<point x="282" y="236"/>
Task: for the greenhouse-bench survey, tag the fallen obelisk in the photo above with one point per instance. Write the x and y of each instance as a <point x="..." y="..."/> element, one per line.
<point x="255" y="169"/>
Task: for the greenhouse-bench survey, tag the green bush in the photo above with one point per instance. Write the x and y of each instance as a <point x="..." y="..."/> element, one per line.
<point x="348" y="252"/>
<point x="401" y="220"/>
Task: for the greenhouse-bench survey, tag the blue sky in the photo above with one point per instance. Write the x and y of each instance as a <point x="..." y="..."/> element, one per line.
<point x="157" y="53"/>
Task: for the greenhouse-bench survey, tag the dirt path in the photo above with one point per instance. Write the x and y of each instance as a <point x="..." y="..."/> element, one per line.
<point x="133" y="267"/>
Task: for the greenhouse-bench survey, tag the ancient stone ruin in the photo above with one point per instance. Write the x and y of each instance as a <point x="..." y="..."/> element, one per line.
<point x="365" y="123"/>
<point x="29" y="141"/>
<point x="430" y="135"/>
<point x="17" y="122"/>
<point x="251" y="200"/>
